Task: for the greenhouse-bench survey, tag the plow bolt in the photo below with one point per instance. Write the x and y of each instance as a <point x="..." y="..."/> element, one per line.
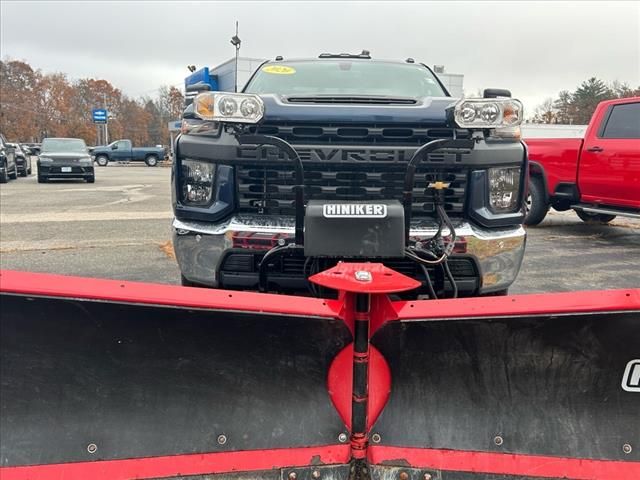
<point x="92" y="448"/>
<point x="342" y="437"/>
<point x="363" y="276"/>
<point x="498" y="440"/>
<point x="427" y="476"/>
<point x="404" y="476"/>
<point x="626" y="448"/>
<point x="293" y="475"/>
<point x="375" y="438"/>
<point x="222" y="439"/>
<point x="315" y="474"/>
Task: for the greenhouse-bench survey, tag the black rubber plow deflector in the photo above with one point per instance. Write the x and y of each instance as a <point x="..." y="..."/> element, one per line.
<point x="141" y="381"/>
<point x="547" y="385"/>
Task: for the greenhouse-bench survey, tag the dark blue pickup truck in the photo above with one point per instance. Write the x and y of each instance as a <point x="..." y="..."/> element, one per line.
<point x="343" y="158"/>
<point x="123" y="151"/>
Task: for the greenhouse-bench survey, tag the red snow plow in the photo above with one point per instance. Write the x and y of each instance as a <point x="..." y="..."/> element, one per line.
<point x="114" y="380"/>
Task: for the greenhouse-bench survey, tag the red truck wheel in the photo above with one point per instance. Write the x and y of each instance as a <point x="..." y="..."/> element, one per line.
<point x="537" y="206"/>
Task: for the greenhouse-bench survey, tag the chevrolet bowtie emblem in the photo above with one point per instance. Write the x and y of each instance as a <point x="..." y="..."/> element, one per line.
<point x="439" y="185"/>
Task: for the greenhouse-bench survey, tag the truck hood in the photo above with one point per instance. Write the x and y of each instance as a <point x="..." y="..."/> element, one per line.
<point x="65" y="155"/>
<point x="95" y="150"/>
<point x="429" y="110"/>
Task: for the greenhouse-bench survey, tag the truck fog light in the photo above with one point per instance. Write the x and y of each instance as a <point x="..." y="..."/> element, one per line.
<point x="504" y="189"/>
<point x="197" y="182"/>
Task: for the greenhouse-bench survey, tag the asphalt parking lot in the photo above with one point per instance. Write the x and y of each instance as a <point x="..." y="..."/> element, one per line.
<point x="119" y="228"/>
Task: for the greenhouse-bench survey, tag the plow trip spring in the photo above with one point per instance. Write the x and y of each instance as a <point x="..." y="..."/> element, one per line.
<point x="114" y="380"/>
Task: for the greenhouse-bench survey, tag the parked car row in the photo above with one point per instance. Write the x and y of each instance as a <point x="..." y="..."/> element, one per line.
<point x="70" y="158"/>
<point x="57" y="158"/>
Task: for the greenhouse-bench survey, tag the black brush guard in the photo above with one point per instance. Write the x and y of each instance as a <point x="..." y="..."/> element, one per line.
<point x="296" y="248"/>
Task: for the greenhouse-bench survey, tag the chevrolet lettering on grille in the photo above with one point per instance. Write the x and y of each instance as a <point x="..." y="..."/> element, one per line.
<point x="328" y="154"/>
<point x="354" y="210"/>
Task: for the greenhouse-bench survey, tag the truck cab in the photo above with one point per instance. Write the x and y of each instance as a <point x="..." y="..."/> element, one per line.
<point x="598" y="176"/>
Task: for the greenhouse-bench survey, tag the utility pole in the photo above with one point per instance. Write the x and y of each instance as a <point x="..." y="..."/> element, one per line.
<point x="235" y="41"/>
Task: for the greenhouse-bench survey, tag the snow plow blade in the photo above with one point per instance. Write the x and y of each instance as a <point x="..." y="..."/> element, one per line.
<point x="116" y="380"/>
<point x="112" y="380"/>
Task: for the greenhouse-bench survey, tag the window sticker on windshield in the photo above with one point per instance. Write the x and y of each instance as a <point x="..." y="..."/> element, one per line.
<point x="279" y="69"/>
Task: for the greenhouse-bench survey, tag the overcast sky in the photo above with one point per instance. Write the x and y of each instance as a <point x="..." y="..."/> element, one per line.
<point x="533" y="48"/>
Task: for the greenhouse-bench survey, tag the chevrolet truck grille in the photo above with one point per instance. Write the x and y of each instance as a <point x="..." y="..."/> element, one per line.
<point x="353" y="134"/>
<point x="267" y="188"/>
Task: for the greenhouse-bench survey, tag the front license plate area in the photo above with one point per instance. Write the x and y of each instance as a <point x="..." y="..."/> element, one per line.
<point x="65" y="169"/>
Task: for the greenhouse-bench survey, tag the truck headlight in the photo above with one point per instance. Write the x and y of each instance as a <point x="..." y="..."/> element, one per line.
<point x="504" y="189"/>
<point x="45" y="159"/>
<point x="228" y="107"/>
<point x="488" y="113"/>
<point x="197" y="182"/>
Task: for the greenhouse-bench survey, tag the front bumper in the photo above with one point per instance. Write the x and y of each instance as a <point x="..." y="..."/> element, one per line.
<point x="200" y="247"/>
<point x="55" y="171"/>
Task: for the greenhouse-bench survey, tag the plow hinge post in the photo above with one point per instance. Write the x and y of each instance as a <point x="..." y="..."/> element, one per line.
<point x="360" y="281"/>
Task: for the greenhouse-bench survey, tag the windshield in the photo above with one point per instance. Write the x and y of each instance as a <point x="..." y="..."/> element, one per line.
<point x="346" y="77"/>
<point x="53" y="145"/>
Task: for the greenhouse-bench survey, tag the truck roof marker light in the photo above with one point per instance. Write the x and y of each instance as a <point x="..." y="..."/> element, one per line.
<point x="228" y="107"/>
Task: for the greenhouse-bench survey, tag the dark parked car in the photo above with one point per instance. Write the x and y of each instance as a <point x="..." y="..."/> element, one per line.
<point x="23" y="159"/>
<point x="8" y="167"/>
<point x="65" y="158"/>
<point x="34" y="147"/>
<point x="123" y="151"/>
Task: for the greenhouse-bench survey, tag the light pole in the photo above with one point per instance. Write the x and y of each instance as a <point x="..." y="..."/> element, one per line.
<point x="235" y="41"/>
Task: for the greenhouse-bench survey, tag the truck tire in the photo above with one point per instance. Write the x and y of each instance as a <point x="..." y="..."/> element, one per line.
<point x="590" y="217"/>
<point x="537" y="206"/>
<point x="42" y="179"/>
<point x="24" y="172"/>
<point x="91" y="179"/>
<point x="151" y="161"/>
<point x="102" y="160"/>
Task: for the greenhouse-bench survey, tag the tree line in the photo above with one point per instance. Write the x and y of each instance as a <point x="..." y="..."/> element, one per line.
<point x="576" y="108"/>
<point x="35" y="105"/>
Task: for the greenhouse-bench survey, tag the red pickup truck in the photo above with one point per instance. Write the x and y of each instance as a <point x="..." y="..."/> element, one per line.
<point x="598" y="176"/>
